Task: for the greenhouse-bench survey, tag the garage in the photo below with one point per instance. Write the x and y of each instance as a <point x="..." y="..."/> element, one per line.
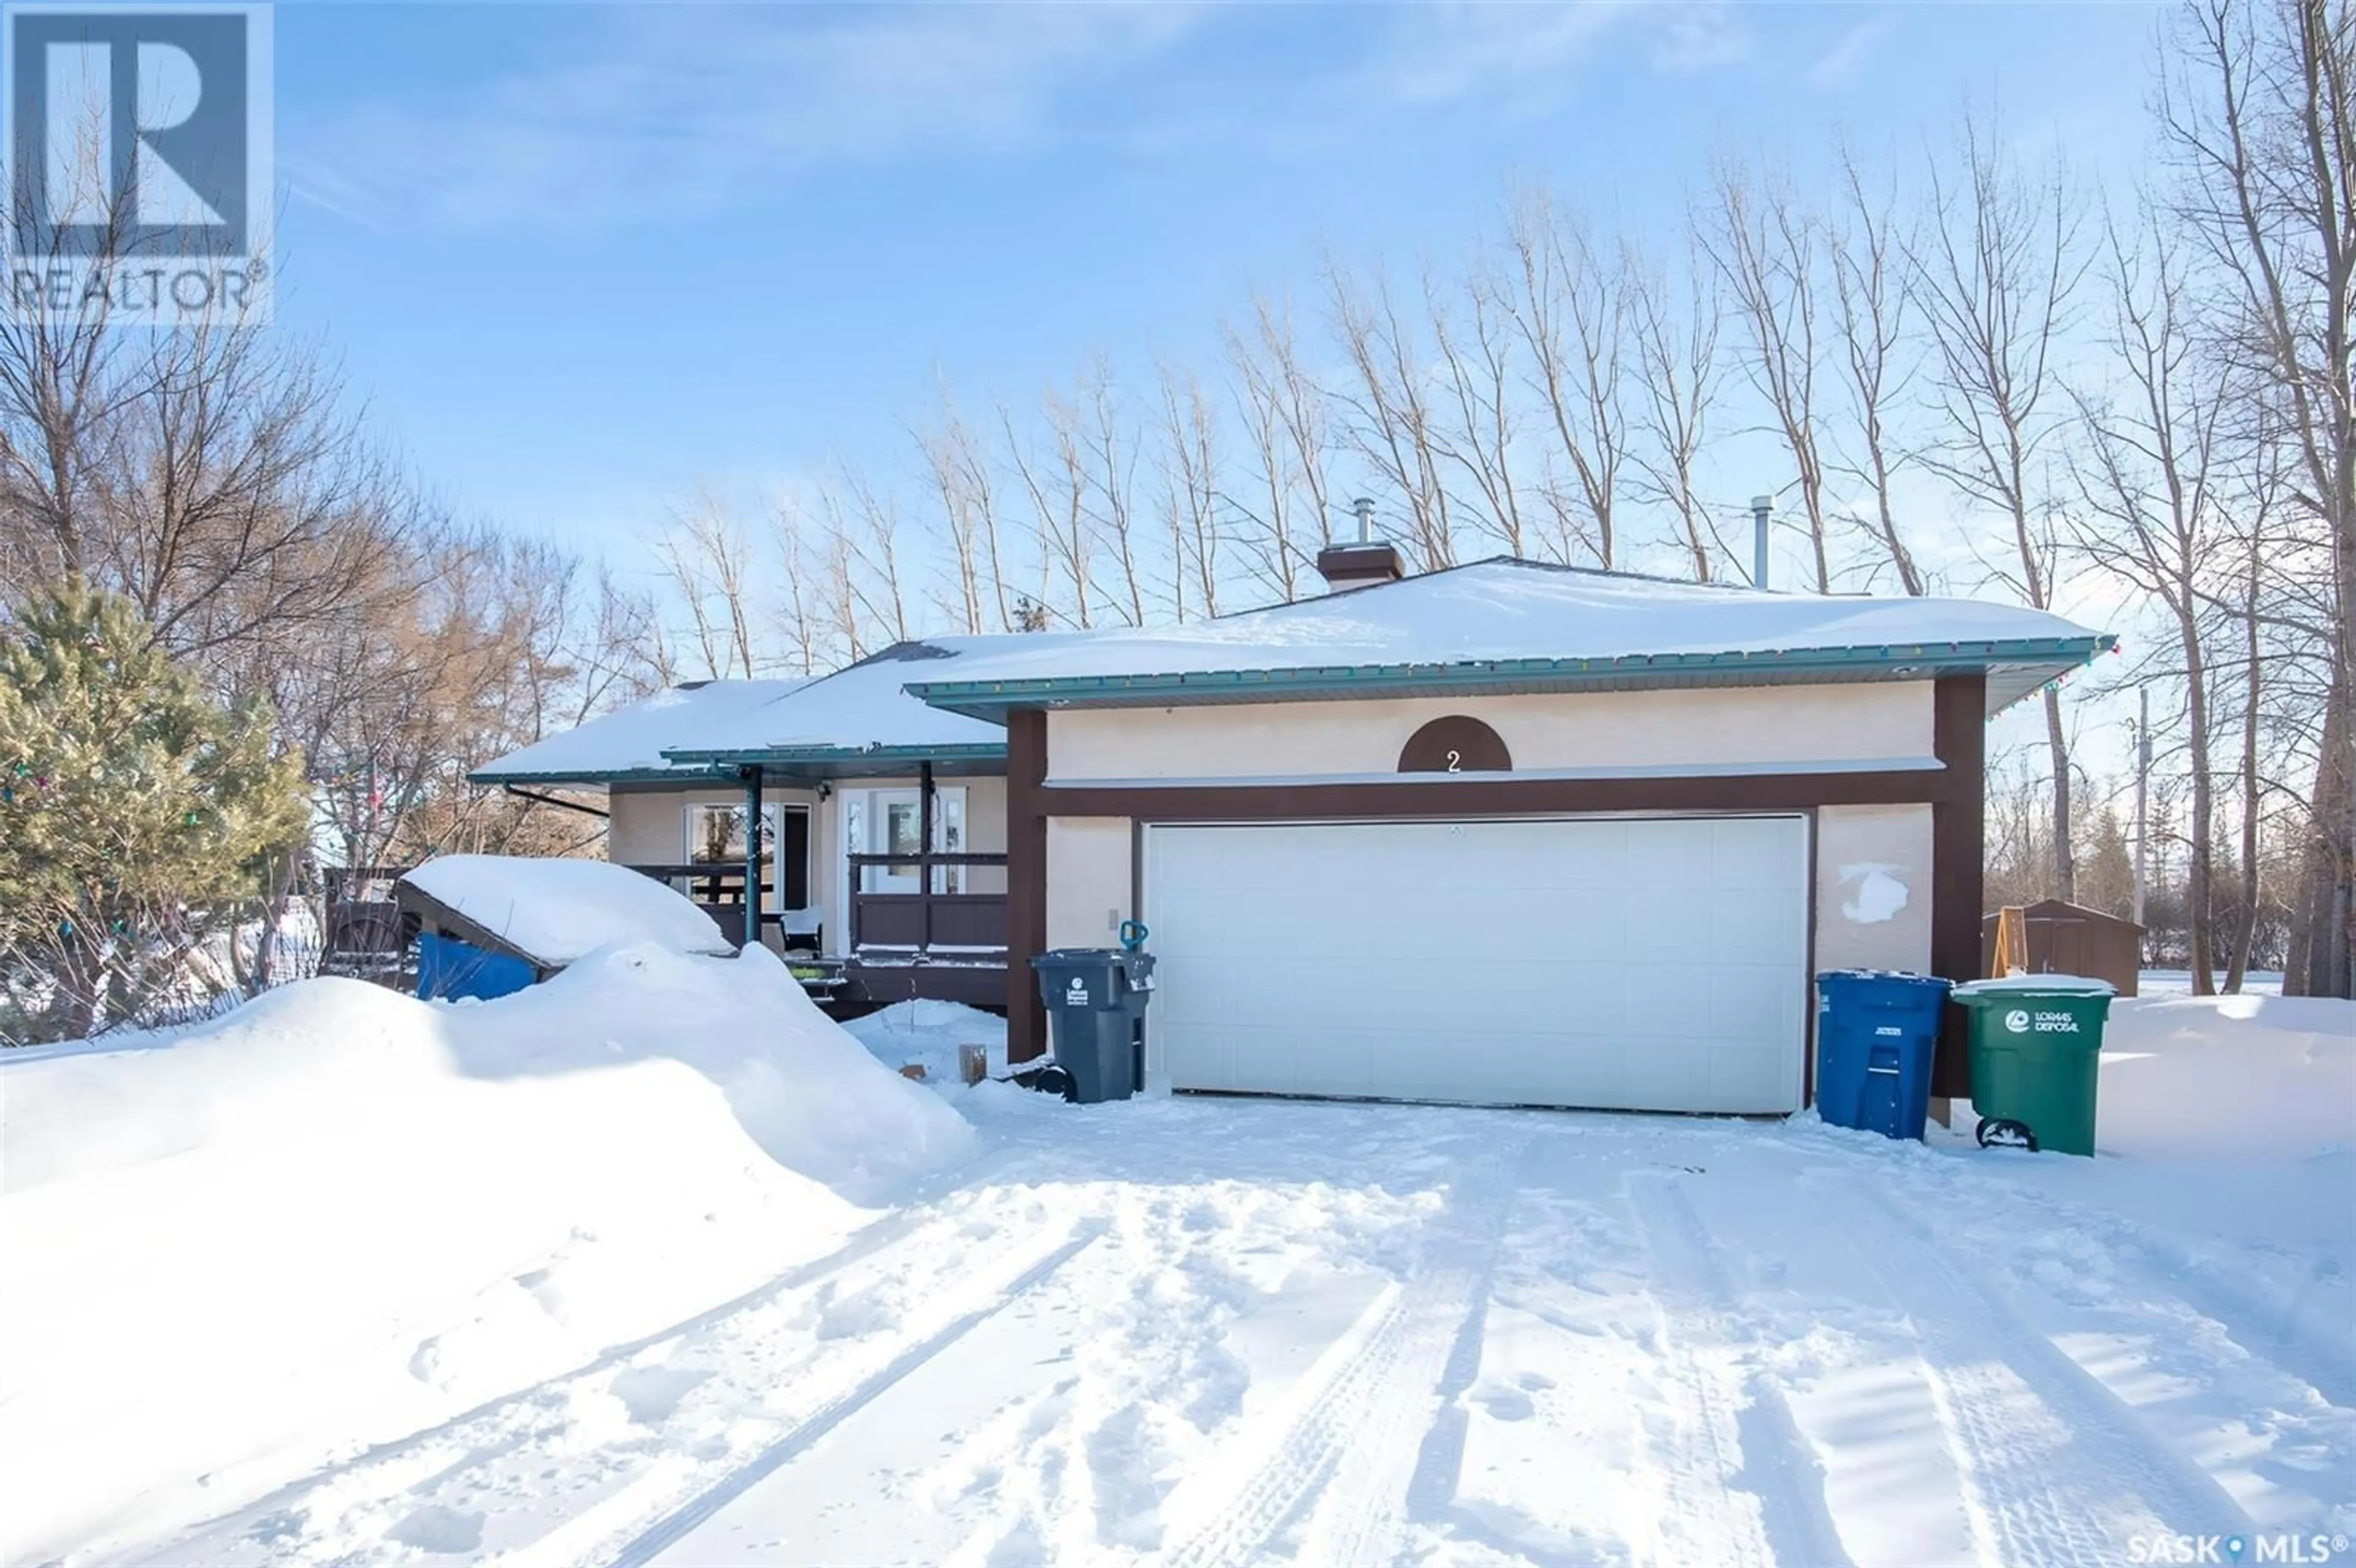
<point x="1625" y="962"/>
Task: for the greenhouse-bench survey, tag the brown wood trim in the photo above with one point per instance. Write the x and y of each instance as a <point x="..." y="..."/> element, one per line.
<point x="1959" y="739"/>
<point x="1506" y="796"/>
<point x="1808" y="974"/>
<point x="1026" y="878"/>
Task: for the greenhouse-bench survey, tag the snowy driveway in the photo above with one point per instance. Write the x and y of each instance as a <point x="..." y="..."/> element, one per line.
<point x="1201" y="1331"/>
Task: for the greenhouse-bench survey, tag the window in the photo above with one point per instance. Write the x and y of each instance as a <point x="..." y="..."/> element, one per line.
<point x="715" y="838"/>
<point x="891" y="822"/>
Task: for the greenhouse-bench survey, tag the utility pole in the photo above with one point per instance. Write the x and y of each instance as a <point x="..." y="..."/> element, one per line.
<point x="2143" y="791"/>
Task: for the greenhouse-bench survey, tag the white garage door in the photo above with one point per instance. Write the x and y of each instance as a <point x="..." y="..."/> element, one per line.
<point x="1631" y="963"/>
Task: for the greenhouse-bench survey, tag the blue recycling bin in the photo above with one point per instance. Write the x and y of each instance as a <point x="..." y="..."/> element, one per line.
<point x="1875" y="1034"/>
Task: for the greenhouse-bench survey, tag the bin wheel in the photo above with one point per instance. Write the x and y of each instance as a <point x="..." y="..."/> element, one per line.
<point x="2003" y="1132"/>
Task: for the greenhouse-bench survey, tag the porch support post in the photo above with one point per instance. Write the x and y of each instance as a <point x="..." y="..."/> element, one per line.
<point x="1959" y="740"/>
<point x="925" y="851"/>
<point x="1026" y="879"/>
<point x="752" y="777"/>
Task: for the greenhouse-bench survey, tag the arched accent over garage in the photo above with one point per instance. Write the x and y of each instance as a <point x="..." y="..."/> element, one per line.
<point x="1458" y="743"/>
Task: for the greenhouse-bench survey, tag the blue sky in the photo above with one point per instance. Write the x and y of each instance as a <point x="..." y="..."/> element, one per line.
<point x="579" y="258"/>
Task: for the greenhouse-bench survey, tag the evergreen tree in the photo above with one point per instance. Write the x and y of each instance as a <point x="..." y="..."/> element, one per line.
<point x="135" y="812"/>
<point x="2107" y="877"/>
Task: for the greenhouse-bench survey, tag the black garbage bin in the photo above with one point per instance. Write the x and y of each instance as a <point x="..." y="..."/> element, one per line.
<point x="1095" y="1000"/>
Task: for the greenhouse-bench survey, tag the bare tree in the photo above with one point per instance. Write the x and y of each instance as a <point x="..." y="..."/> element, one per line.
<point x="960" y="478"/>
<point x="1765" y="248"/>
<point x="2149" y="477"/>
<point x="1479" y="430"/>
<point x="1389" y="412"/>
<point x="2259" y="115"/>
<point x="1057" y="487"/>
<point x="1571" y="303"/>
<point x="708" y="559"/>
<point x="801" y="609"/>
<point x="1677" y="366"/>
<point x="1190" y="475"/>
<point x="1107" y="451"/>
<point x="1285" y="428"/>
<point x="1994" y="275"/>
<point x="1872" y="300"/>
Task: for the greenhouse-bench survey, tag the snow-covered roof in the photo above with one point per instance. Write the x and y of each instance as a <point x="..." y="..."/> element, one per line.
<point x="855" y="718"/>
<point x="628" y="742"/>
<point x="861" y="711"/>
<point x="558" y="912"/>
<point x="1507" y="624"/>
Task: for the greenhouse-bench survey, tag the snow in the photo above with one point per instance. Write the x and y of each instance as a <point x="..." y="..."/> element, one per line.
<point x="860" y="708"/>
<point x="1203" y="1330"/>
<point x="1504" y="608"/>
<point x="339" y="1215"/>
<point x="559" y="912"/>
<point x="927" y="1034"/>
<point x="2249" y="1077"/>
<point x="632" y="739"/>
<point x="2069" y="985"/>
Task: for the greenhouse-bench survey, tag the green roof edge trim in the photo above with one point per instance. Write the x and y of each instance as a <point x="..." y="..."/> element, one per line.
<point x="594" y="776"/>
<point x="983" y="751"/>
<point x="969" y="694"/>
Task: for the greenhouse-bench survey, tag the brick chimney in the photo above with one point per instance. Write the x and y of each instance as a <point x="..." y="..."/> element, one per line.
<point x="1365" y="561"/>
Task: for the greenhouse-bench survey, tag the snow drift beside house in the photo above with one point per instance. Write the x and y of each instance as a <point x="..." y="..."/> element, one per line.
<point x="2195" y="1077"/>
<point x="559" y="912"/>
<point x="340" y="1214"/>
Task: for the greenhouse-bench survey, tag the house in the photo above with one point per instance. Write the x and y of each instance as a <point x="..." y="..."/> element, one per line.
<point x="1505" y="833"/>
<point x="850" y="778"/>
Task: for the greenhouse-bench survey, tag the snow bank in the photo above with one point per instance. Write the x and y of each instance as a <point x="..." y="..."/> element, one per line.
<point x="2264" y="1077"/>
<point x="927" y="1034"/>
<point x="338" y="1215"/>
<point x="559" y="912"/>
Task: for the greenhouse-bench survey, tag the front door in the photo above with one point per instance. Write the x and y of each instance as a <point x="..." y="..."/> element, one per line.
<point x="895" y="827"/>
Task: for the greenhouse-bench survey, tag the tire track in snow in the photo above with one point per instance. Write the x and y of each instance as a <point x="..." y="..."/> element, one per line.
<point x="1733" y="1426"/>
<point x="1345" y="1450"/>
<point x="2292" y="1337"/>
<point x="667" y="1531"/>
<point x="331" y="1512"/>
<point x="2055" y="1469"/>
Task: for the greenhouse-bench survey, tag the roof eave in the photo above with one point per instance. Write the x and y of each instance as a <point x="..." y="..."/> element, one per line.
<point x="976" y="751"/>
<point x="590" y="778"/>
<point x="993" y="699"/>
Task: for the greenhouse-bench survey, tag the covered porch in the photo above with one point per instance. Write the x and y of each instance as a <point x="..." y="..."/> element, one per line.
<point x="881" y="879"/>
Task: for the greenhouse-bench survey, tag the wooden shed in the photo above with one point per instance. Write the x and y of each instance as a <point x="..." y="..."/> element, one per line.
<point x="2070" y="939"/>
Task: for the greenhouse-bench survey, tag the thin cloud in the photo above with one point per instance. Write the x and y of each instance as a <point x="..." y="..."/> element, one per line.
<point x="1701" y="38"/>
<point x="1840" y="65"/>
<point x="655" y="113"/>
<point x="1449" y="53"/>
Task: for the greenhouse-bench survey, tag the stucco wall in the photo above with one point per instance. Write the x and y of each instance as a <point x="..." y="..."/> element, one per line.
<point x="1089" y="879"/>
<point x="1873" y="888"/>
<point x="1852" y="723"/>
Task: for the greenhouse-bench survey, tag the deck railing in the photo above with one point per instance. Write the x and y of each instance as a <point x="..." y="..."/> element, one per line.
<point x="969" y="927"/>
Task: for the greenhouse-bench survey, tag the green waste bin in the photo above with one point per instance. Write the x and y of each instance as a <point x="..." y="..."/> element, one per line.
<point x="2036" y="1050"/>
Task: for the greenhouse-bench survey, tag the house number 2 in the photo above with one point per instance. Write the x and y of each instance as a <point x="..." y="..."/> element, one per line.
<point x="1458" y="743"/>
